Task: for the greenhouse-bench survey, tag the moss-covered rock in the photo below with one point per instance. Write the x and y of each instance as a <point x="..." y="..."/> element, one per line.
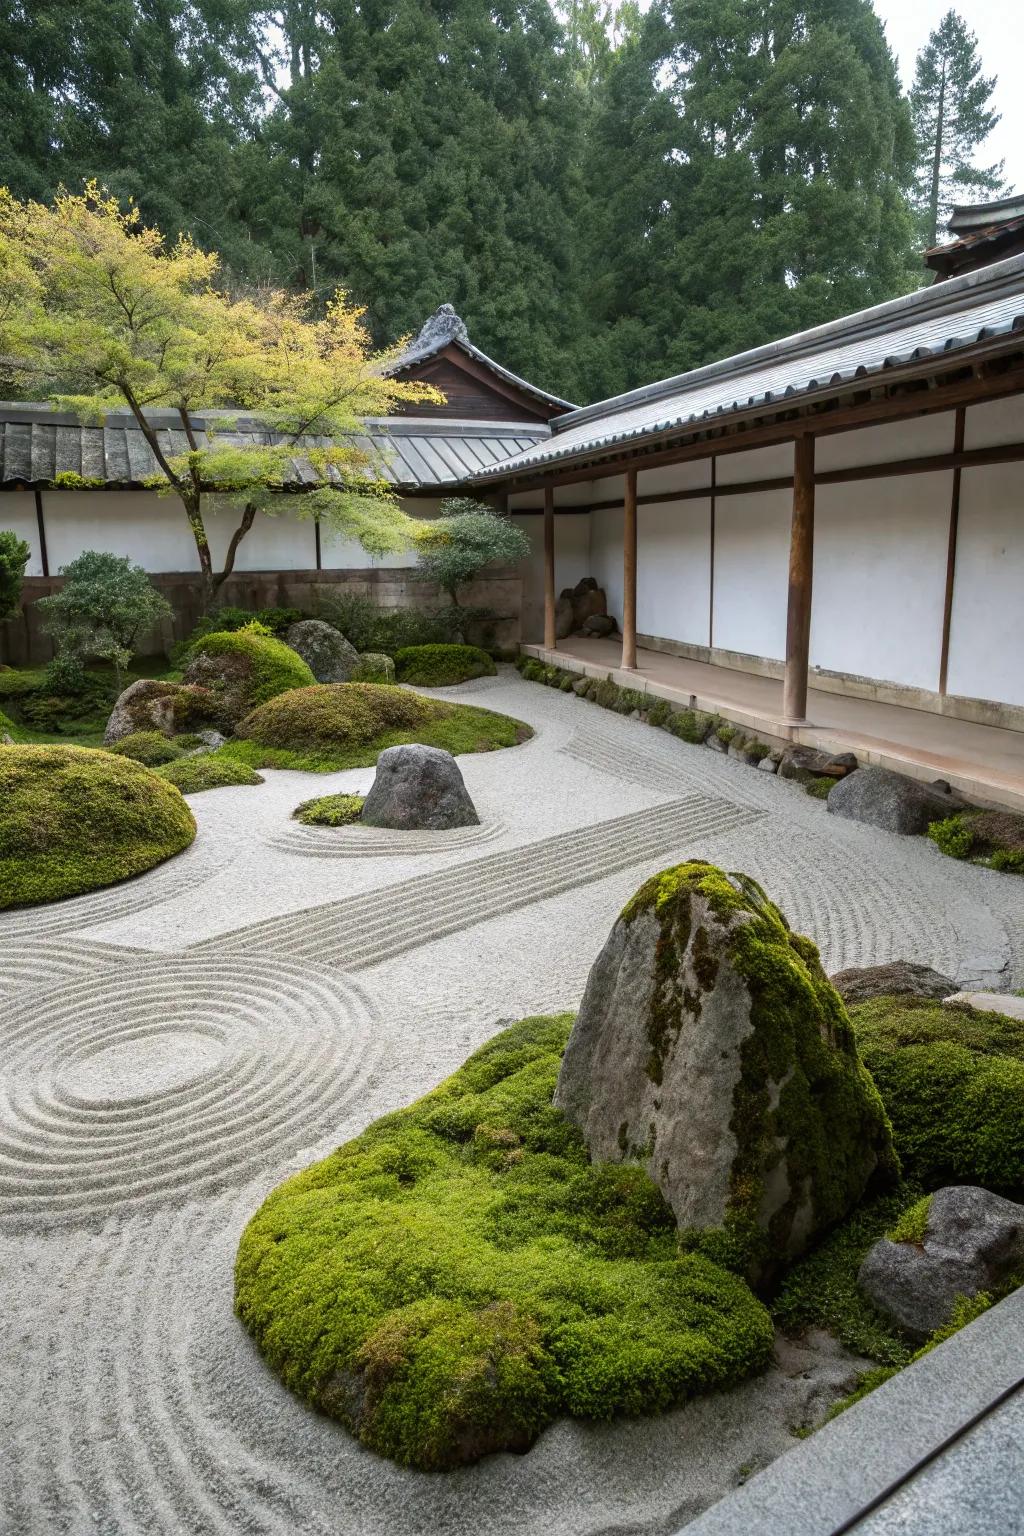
<point x="72" y="819"/>
<point x="242" y="669"/>
<point x="711" y="1048"/>
<point x="209" y="770"/>
<point x="324" y="649"/>
<point x="461" y="1274"/>
<point x="329" y="811"/>
<point x="347" y="725"/>
<point x="150" y="704"/>
<point x="441" y="666"/>
<point x="374" y="667"/>
<point x="952" y="1081"/>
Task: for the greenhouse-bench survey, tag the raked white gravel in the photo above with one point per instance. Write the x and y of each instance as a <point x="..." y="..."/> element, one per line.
<point x="173" y="1047"/>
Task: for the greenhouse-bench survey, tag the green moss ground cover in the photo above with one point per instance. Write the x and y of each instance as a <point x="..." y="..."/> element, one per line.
<point x="460" y="1275"/>
<point x="441" y="666"/>
<point x="329" y="810"/>
<point x="211" y="770"/>
<point x="72" y="819"/>
<point x="149" y="747"/>
<point x="331" y="726"/>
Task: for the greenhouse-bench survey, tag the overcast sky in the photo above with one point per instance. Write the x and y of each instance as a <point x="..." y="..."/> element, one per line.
<point x="999" y="28"/>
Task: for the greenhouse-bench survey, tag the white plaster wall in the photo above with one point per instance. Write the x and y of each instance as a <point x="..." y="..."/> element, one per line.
<point x="606" y="557"/>
<point x="917" y="438"/>
<point x="275" y="542"/>
<point x="674" y="570"/>
<point x="752" y="572"/>
<point x="694" y="475"/>
<point x="986" y="644"/>
<point x="995" y="423"/>
<point x="18" y="515"/>
<point x="754" y="464"/>
<point x="339" y="554"/>
<point x="879" y="578"/>
<point x="572" y="562"/>
<point x="149" y="529"/>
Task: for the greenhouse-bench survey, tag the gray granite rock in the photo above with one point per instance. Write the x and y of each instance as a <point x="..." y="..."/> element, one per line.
<point x="324" y="649"/>
<point x="973" y="1241"/>
<point x="149" y="705"/>
<point x="768" y="765"/>
<point x="806" y="763"/>
<point x="599" y="624"/>
<point x="658" y="1068"/>
<point x="418" y="789"/>
<point x="891" y="801"/>
<point x="588" y="601"/>
<point x="899" y="978"/>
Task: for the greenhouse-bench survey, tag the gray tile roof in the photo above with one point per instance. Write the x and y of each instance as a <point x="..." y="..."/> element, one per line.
<point x="914" y="330"/>
<point x="37" y="444"/>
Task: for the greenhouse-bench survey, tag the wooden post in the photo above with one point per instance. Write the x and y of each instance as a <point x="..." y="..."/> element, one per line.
<point x="954" y="525"/>
<point x="629" y="574"/>
<point x="801" y="573"/>
<point x="550" y="642"/>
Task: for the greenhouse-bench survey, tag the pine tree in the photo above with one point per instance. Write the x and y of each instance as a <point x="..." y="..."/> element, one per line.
<point x="950" y="101"/>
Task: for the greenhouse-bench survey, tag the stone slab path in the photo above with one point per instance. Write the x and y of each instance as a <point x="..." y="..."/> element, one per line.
<point x="171" y="1048"/>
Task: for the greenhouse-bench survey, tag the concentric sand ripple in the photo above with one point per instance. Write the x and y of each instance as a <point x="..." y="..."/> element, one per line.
<point x="356" y="842"/>
<point x="169" y="1078"/>
<point x="372" y="927"/>
<point x="40" y="967"/>
<point x="182" y="873"/>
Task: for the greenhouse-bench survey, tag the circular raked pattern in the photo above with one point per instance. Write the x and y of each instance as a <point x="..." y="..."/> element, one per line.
<point x="355" y="841"/>
<point x="170" y="1077"/>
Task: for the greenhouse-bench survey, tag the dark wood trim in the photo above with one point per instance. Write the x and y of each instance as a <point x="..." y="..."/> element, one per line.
<point x="319" y="550"/>
<point x="41" y="526"/>
<point x="493" y="381"/>
<point x="954" y="530"/>
<point x="629" y="546"/>
<point x="549" y="568"/>
<point x="711" y="541"/>
<point x="740" y="437"/>
<point x="801" y="580"/>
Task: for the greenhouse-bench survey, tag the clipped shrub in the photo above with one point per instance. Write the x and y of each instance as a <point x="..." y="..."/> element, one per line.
<point x="209" y="770"/>
<point x="995" y="838"/>
<point x="72" y="819"/>
<point x="329" y="811"/>
<point x="347" y="725"/>
<point x="692" y="725"/>
<point x="460" y="1275"/>
<point x="441" y="666"/>
<point x="149" y="747"/>
<point x="242" y="669"/>
<point x="659" y="712"/>
<point x="374" y="667"/>
<point x="727" y="734"/>
<point x="605" y="693"/>
<point x="952" y="1081"/>
<point x="370" y="627"/>
<point x="820" y="789"/>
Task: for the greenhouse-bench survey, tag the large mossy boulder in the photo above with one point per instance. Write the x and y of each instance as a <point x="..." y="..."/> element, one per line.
<point x="241" y="669"/>
<point x="418" y="789"/>
<point x="324" y="649"/>
<point x="711" y="1049"/>
<point x="152" y="705"/>
<point x="73" y="819"/>
<point x="462" y="1274"/>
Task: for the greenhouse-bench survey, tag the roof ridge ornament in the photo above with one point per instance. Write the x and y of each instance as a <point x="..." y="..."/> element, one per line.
<point x="443" y="326"/>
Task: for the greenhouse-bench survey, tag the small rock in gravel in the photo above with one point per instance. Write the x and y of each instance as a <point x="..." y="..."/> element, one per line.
<point x="803" y="764"/>
<point x="418" y="788"/>
<point x="768" y="765"/>
<point x="1006" y="1003"/>
<point x="891" y="801"/>
<point x="899" y="978"/>
<point x="973" y="1242"/>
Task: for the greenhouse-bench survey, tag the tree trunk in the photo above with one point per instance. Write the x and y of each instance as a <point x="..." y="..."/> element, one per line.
<point x="940" y="129"/>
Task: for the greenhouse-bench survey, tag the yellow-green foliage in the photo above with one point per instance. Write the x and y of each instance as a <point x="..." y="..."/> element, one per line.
<point x="149" y="747"/>
<point x="72" y="819"/>
<point x="440" y="666"/>
<point x="243" y="669"/>
<point x="827" y="1114"/>
<point x="952" y="1080"/>
<point x="913" y="1223"/>
<point x="210" y="770"/>
<point x="329" y="810"/>
<point x="460" y="1275"/>
<point x="347" y="725"/>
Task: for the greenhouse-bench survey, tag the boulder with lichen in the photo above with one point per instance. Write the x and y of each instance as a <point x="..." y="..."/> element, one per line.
<point x="711" y="1048"/>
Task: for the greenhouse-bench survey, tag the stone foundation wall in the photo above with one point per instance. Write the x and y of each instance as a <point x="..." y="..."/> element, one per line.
<point x="23" y="643"/>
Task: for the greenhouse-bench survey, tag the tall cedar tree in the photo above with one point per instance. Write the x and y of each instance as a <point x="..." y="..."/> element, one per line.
<point x="950" y="100"/>
<point x="757" y="156"/>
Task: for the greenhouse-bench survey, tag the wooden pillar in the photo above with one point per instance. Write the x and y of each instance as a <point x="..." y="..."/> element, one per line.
<point x="801" y="572"/>
<point x="629" y="574"/>
<point x="549" y="567"/>
<point x="954" y="525"/>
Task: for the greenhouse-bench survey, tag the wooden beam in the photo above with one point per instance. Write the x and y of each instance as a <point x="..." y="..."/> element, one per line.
<point x="629" y="575"/>
<point x="954" y="529"/>
<point x="41" y="526"/>
<point x="801" y="573"/>
<point x="319" y="548"/>
<point x="550" y="642"/>
<point x="711" y="552"/>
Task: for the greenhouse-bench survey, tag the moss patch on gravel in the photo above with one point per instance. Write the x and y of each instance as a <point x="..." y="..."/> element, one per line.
<point x="73" y="819"/>
<point x="952" y="1081"/>
<point x="460" y="1275"/>
<point x="210" y="770"/>
<point x="442" y="666"/>
<point x="347" y="725"/>
<point x="329" y="810"/>
<point x="993" y="838"/>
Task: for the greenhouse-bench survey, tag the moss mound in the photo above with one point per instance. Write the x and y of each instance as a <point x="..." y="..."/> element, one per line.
<point x="374" y="667"/>
<point x="329" y="811"/>
<point x="952" y="1081"/>
<point x="149" y="747"/>
<point x="995" y="838"/>
<point x="347" y="725"/>
<point x="242" y="670"/>
<point x="441" y="666"/>
<point x="210" y="770"/>
<point x="72" y="819"/>
<point x="460" y="1275"/>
